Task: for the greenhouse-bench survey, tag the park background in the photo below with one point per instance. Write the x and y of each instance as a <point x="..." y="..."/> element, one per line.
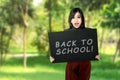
<point x="24" y="47"/>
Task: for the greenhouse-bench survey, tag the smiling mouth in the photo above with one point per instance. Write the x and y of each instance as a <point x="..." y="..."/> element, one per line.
<point x="76" y="24"/>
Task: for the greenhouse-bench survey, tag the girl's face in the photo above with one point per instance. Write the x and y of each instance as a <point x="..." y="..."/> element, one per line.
<point x="76" y="20"/>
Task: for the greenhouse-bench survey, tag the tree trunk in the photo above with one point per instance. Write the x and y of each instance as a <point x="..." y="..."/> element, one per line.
<point x="24" y="14"/>
<point x="88" y="20"/>
<point x="50" y="18"/>
<point x="101" y="40"/>
<point x="12" y="28"/>
<point x="24" y="33"/>
<point x="116" y="51"/>
<point x="64" y="23"/>
<point x="1" y="47"/>
<point x="24" y="47"/>
<point x="117" y="48"/>
<point x="1" y="58"/>
<point x="64" y="14"/>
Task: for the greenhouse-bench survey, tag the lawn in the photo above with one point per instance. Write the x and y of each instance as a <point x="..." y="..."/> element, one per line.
<point x="39" y="68"/>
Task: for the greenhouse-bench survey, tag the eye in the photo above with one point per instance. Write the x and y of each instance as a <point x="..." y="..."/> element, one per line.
<point x="79" y="16"/>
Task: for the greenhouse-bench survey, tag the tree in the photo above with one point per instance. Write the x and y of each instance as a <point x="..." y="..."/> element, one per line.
<point x="48" y="5"/>
<point x="111" y="20"/>
<point x="17" y="12"/>
<point x="6" y="31"/>
<point x="56" y="8"/>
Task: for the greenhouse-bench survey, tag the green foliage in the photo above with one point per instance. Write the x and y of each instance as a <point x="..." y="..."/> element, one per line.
<point x="111" y="15"/>
<point x="41" y="41"/>
<point x="11" y="11"/>
<point x="10" y="15"/>
<point x="57" y="6"/>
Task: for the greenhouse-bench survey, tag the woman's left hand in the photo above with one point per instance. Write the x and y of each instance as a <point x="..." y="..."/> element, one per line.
<point x="97" y="57"/>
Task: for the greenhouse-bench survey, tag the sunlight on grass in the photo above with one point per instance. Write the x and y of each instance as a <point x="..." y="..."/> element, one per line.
<point x="30" y="73"/>
<point x="108" y="49"/>
<point x="11" y="78"/>
<point x="20" y="69"/>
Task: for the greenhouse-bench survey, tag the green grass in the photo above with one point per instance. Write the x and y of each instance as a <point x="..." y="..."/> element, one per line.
<point x="105" y="69"/>
<point x="39" y="68"/>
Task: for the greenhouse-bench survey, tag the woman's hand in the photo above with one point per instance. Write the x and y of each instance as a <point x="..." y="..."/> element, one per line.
<point x="97" y="57"/>
<point x="51" y="59"/>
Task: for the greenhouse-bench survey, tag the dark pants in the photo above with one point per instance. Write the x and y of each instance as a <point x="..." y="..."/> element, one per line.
<point x="78" y="70"/>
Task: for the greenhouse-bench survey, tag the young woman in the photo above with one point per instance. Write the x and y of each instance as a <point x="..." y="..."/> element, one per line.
<point x="77" y="70"/>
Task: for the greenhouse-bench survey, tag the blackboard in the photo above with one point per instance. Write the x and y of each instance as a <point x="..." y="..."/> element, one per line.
<point x="73" y="45"/>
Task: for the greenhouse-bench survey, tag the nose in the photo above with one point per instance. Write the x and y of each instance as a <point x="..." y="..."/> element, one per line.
<point x="76" y="19"/>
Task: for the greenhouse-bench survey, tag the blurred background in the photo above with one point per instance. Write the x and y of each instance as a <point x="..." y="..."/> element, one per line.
<point x="24" y="46"/>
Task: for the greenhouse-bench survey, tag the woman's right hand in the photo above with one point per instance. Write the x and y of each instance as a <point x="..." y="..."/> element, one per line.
<point x="51" y="59"/>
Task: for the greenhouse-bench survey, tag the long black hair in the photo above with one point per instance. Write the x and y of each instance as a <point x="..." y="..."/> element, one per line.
<point x="72" y="14"/>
